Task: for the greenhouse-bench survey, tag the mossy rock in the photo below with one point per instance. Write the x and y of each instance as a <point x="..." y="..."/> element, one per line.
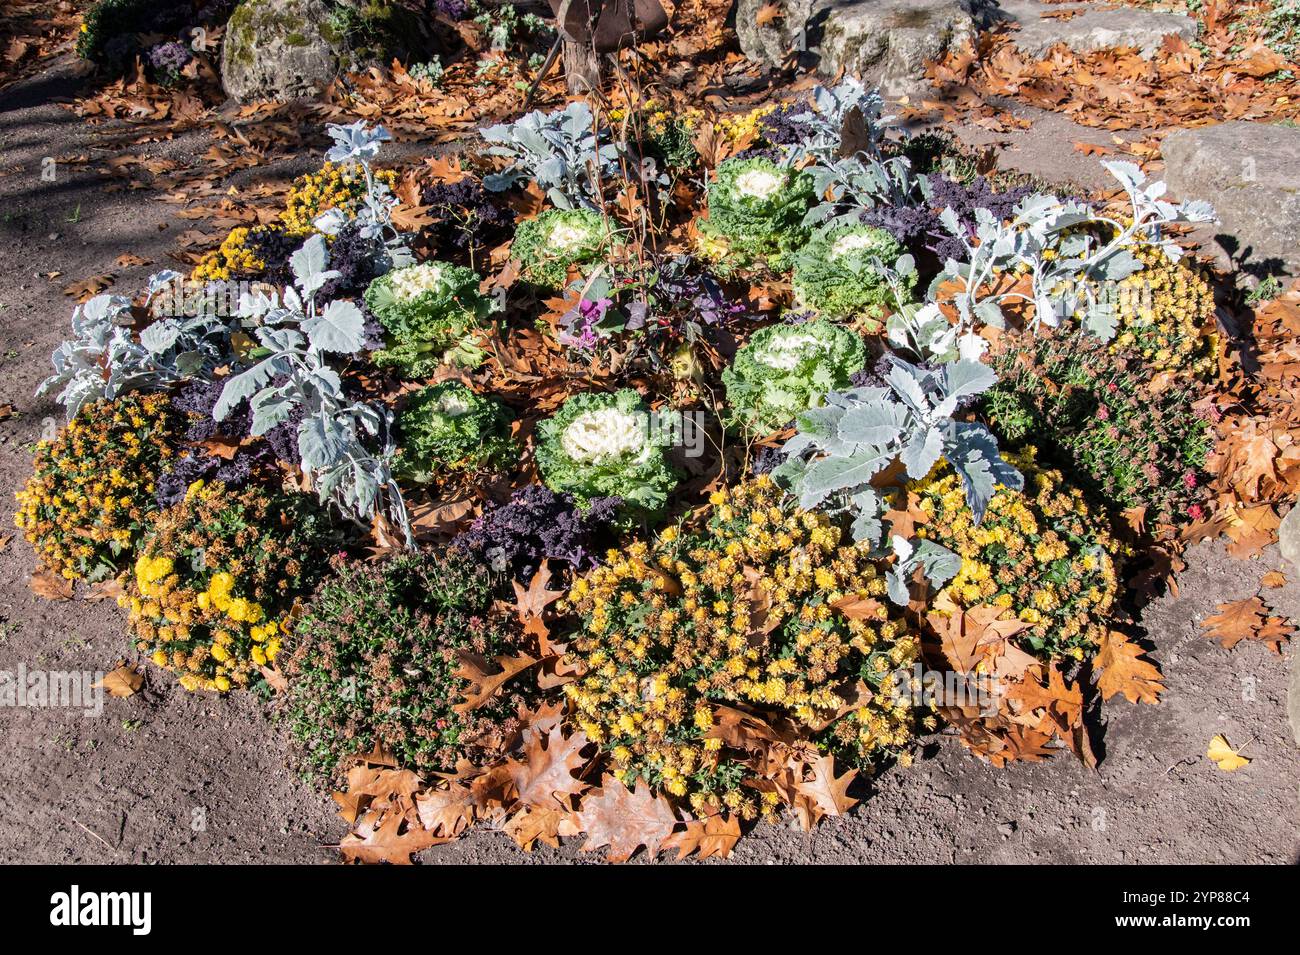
<point x="285" y="49"/>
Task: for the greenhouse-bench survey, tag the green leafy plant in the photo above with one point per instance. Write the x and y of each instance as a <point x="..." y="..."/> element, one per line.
<point x="431" y="313"/>
<point x="564" y="152"/>
<point x="106" y="359"/>
<point x="377" y="657"/>
<point x="345" y="446"/>
<point x="1073" y="256"/>
<point x="1098" y="411"/>
<point x="608" y="445"/>
<point x="557" y="240"/>
<point x="838" y="273"/>
<point x="756" y="211"/>
<point x="447" y="428"/>
<point x="785" y="369"/>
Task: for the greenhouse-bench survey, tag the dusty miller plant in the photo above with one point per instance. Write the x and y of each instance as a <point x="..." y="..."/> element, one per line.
<point x="105" y="358"/>
<point x="335" y="434"/>
<point x="841" y="151"/>
<point x="842" y="449"/>
<point x="561" y="150"/>
<point x="357" y="143"/>
<point x="1057" y="245"/>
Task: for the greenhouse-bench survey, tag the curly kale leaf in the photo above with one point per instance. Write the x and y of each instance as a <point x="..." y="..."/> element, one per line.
<point x="786" y="369"/>
<point x="608" y="445"/>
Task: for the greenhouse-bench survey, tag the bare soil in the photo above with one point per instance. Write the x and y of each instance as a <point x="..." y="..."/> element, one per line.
<point x="124" y="786"/>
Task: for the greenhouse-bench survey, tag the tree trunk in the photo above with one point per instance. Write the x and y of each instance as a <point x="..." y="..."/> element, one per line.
<point x="581" y="67"/>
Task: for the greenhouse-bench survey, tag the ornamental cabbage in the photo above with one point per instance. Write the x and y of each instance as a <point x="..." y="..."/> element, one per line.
<point x="447" y="427"/>
<point x="430" y="312"/>
<point x="557" y="240"/>
<point x="784" y="370"/>
<point x="607" y="445"/>
<point x="756" y="211"/>
<point x="837" y="274"/>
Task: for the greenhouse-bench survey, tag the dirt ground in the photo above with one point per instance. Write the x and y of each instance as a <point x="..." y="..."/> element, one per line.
<point x="168" y="776"/>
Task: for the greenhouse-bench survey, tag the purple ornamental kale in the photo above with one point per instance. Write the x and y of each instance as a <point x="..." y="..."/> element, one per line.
<point x="766" y="461"/>
<point x="581" y="324"/>
<point x="273" y="247"/>
<point x="453" y="9"/>
<point x="356" y="258"/>
<point x="538" y="524"/>
<point x="468" y="219"/>
<point x="778" y="128"/>
<point x="199" y="398"/>
<point x="680" y="281"/>
<point x="919" y="227"/>
<point x="247" y="466"/>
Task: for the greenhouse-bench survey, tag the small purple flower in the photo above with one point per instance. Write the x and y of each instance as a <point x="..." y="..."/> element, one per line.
<point x="169" y="58"/>
<point x="581" y="324"/>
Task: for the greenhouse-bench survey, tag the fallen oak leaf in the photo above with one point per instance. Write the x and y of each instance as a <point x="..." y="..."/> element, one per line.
<point x="372" y="844"/>
<point x="275" y="679"/>
<point x="483" y="684"/>
<point x="714" y="835"/>
<point x="534" y="824"/>
<point x="531" y="604"/>
<point x="828" y="792"/>
<point x="547" y="776"/>
<point x="50" y="586"/>
<point x="1251" y="530"/>
<point x="106" y="588"/>
<point x="122" y="682"/>
<point x="87" y="289"/>
<point x="965" y="635"/>
<point x="1123" y="670"/>
<point x="1273" y="579"/>
<point x="446" y="811"/>
<point x="1274" y="632"/>
<point x="1246" y="620"/>
<point x="623" y="820"/>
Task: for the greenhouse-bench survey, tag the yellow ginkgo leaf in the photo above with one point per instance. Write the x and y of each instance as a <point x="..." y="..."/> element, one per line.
<point x="1228" y="759"/>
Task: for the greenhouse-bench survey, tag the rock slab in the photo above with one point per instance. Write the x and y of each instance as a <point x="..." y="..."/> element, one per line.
<point x="1092" y="29"/>
<point x="882" y="42"/>
<point x="1251" y="174"/>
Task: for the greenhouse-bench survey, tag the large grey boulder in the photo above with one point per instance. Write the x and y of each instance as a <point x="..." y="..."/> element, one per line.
<point x="284" y="49"/>
<point x="1092" y="29"/>
<point x="883" y="42"/>
<point x="1251" y="173"/>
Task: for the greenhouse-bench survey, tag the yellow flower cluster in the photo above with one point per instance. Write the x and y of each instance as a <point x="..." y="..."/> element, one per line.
<point x="743" y="126"/>
<point x="231" y="259"/>
<point x="1042" y="554"/>
<point x="1162" y="311"/>
<point x="91" y="495"/>
<point x="333" y="186"/>
<point x="737" y="614"/>
<point x="213" y="586"/>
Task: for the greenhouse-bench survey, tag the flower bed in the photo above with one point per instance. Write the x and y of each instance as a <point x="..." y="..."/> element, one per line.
<point x="580" y="600"/>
